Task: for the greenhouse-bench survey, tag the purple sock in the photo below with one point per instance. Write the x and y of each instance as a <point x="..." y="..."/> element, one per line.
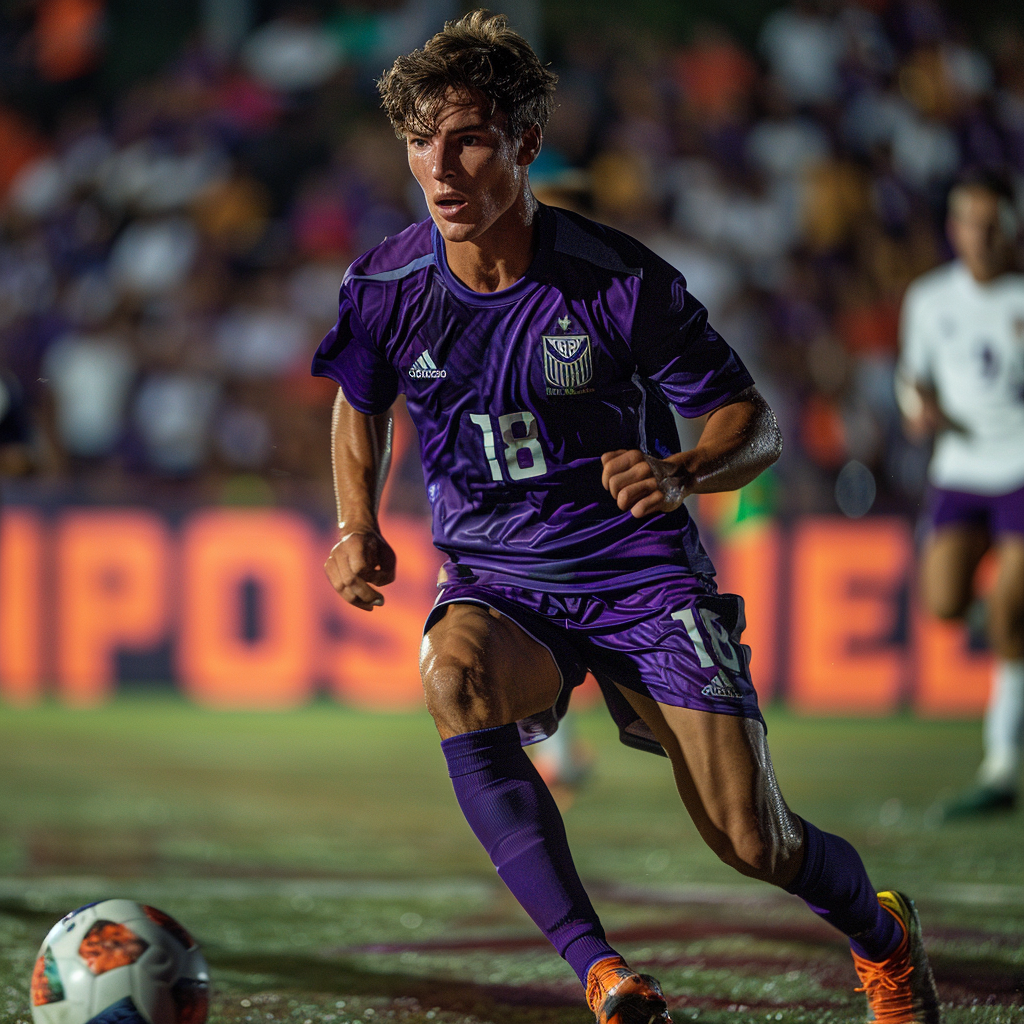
<point x="514" y="816"/>
<point x="833" y="883"/>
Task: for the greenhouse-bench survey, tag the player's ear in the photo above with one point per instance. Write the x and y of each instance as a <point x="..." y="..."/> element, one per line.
<point x="529" y="146"/>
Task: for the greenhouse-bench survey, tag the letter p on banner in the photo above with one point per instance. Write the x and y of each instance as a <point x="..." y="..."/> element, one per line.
<point x="112" y="593"/>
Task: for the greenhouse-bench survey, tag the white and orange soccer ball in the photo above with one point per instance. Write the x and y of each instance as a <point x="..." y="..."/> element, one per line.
<point x="119" y="962"/>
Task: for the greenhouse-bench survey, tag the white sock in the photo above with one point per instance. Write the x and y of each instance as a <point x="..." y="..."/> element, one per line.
<point x="1004" y="726"/>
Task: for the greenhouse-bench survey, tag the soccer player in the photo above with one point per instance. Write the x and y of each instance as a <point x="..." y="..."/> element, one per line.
<point x="961" y="377"/>
<point x="539" y="354"/>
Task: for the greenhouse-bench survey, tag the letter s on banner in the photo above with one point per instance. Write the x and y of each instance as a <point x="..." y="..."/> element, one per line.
<point x="374" y="663"/>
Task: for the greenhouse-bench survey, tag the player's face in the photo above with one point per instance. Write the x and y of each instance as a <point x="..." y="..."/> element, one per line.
<point x="976" y="233"/>
<point x="471" y="172"/>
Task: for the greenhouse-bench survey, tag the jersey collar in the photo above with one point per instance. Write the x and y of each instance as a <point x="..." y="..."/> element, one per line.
<point x="526" y="284"/>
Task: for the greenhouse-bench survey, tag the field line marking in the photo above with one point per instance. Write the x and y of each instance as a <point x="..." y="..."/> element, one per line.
<point x="440" y="889"/>
<point x="241" y="889"/>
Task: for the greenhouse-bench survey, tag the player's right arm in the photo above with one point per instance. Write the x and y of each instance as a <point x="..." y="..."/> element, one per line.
<point x="360" y="457"/>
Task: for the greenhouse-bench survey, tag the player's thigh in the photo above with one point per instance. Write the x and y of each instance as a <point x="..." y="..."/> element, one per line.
<point x="950" y="557"/>
<point x="723" y="771"/>
<point x="1006" y="600"/>
<point x="481" y="670"/>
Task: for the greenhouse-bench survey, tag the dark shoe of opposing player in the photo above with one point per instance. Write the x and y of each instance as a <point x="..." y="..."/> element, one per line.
<point x="618" y="995"/>
<point x="900" y="990"/>
<point x="980" y="801"/>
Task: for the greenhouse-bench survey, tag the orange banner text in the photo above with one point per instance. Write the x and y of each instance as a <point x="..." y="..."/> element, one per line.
<point x="232" y="605"/>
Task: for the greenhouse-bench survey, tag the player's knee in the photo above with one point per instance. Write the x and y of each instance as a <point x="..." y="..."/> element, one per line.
<point x="765" y="854"/>
<point x="452" y="683"/>
<point x="744" y="852"/>
<point x="1006" y="624"/>
<point x="455" y="683"/>
<point x="748" y="852"/>
<point x="945" y="602"/>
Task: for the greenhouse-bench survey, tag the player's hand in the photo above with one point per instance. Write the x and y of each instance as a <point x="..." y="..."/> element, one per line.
<point x="360" y="558"/>
<point x="923" y="416"/>
<point x="642" y="484"/>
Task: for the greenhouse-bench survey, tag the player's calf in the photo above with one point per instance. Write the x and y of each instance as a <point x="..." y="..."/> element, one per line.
<point x="1005" y="604"/>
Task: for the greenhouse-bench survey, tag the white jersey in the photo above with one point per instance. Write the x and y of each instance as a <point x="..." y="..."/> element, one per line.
<point x="966" y="340"/>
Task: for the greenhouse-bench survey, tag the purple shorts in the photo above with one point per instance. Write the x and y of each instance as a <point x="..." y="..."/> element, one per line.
<point x="998" y="513"/>
<point x="674" y="639"/>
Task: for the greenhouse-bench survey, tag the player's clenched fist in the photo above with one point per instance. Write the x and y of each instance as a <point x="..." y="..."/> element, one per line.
<point x="360" y="558"/>
<point x="642" y="484"/>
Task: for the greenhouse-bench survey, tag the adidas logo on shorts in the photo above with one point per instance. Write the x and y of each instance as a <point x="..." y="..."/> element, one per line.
<point x="425" y="367"/>
<point x="721" y="686"/>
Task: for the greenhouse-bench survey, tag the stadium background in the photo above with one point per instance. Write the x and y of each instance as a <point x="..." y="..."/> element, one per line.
<point x="184" y="184"/>
<point x="182" y="187"/>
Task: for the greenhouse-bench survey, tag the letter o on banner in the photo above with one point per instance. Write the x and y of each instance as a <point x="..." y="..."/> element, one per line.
<point x="247" y="613"/>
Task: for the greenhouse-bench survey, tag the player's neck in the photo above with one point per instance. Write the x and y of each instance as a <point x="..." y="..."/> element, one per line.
<point x="983" y="274"/>
<point x="501" y="256"/>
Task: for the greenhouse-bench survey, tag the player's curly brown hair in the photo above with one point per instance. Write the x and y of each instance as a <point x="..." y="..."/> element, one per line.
<point x="479" y="55"/>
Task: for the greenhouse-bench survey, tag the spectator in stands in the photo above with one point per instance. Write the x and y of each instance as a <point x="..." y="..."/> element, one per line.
<point x="801" y="184"/>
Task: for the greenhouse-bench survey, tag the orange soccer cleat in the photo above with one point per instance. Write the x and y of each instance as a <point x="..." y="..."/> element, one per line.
<point x="900" y="990"/>
<point x="618" y="995"/>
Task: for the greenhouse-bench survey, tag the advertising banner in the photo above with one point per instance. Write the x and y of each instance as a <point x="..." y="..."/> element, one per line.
<point x="231" y="605"/>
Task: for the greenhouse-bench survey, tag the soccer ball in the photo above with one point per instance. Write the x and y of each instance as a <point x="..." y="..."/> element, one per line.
<point x="119" y="962"/>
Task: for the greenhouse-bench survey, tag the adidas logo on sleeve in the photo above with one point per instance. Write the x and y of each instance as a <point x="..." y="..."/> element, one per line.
<point x="425" y="367"/>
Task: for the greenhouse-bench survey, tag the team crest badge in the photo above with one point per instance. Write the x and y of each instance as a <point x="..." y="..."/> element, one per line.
<point x="568" y="364"/>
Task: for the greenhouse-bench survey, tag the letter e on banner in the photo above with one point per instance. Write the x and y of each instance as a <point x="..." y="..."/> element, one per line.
<point x="247" y="612"/>
<point x="846" y="577"/>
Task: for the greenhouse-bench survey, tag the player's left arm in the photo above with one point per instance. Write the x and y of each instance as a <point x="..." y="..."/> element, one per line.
<point x="740" y="440"/>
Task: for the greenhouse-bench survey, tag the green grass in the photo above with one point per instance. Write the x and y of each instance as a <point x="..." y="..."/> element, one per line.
<point x="321" y="860"/>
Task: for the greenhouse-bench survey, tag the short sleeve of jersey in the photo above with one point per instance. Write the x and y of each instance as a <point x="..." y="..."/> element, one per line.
<point x="915" y="359"/>
<point x="676" y="348"/>
<point x="349" y="356"/>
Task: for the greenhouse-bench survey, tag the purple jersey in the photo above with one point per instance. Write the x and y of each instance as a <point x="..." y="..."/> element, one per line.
<point x="516" y="394"/>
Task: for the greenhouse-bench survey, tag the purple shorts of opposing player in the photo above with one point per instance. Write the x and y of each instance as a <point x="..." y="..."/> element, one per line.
<point x="674" y="639"/>
<point x="998" y="513"/>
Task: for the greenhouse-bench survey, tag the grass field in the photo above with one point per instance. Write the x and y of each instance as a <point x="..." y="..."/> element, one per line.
<point x="321" y="860"/>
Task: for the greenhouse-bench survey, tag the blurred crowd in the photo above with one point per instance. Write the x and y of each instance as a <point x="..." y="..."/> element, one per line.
<point x="170" y="256"/>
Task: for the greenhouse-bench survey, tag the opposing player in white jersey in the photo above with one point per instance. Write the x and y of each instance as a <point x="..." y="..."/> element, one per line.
<point x="961" y="377"/>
